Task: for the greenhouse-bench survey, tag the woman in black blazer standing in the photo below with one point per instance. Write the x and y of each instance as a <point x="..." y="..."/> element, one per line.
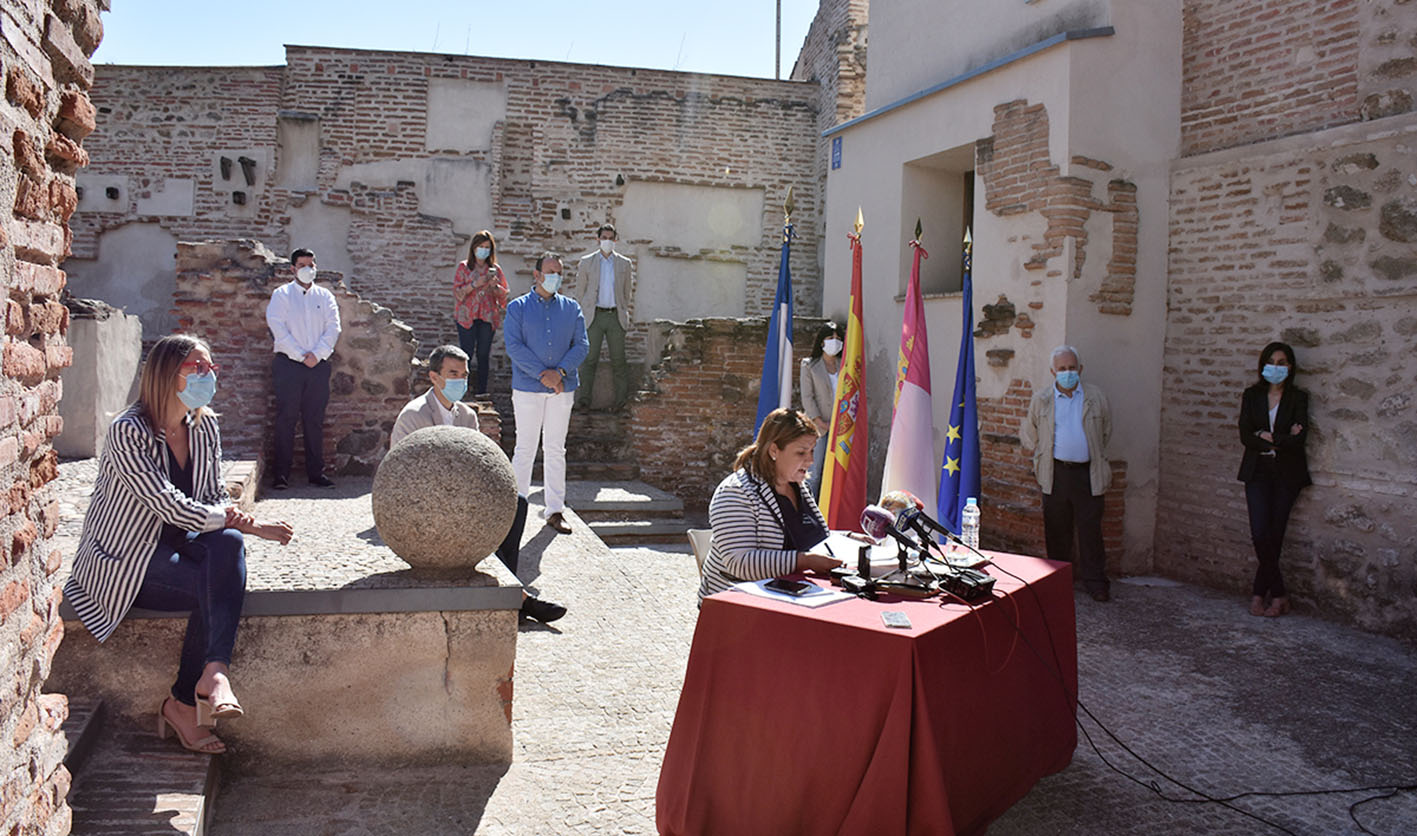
<point x="1274" y="424"/>
<point x="161" y="533"/>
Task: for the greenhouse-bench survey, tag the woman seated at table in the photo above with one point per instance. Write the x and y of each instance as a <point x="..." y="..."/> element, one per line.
<point x="161" y="534"/>
<point x="763" y="520"/>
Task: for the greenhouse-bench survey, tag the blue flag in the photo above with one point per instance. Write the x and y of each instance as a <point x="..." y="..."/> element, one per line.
<point x="776" y="388"/>
<point x="959" y="473"/>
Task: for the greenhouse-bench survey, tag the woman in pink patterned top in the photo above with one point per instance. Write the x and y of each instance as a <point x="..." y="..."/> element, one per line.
<point x="480" y="295"/>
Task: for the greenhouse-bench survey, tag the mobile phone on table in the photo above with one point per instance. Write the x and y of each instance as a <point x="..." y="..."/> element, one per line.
<point x="895" y="619"/>
<point x="789" y="587"/>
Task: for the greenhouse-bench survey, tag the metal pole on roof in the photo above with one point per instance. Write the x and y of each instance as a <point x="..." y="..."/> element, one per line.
<point x="777" y="51"/>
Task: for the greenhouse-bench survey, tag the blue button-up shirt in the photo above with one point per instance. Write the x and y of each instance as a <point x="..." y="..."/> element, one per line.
<point x="544" y="334"/>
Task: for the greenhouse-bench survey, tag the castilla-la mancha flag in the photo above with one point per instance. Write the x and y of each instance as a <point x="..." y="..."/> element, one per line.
<point x="910" y="456"/>
<point x="844" y="476"/>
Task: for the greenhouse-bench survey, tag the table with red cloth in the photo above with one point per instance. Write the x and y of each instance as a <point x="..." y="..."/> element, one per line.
<point x="824" y="721"/>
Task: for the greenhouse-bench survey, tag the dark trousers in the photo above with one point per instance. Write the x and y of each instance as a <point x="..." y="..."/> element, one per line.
<point x="302" y="393"/>
<point x="476" y="342"/>
<point x="510" y="550"/>
<point x="1270" y="500"/>
<point x="605" y="326"/>
<point x="1071" y="508"/>
<point x="206" y="574"/>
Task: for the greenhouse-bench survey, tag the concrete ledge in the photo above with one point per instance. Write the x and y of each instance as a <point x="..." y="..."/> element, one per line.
<point x="412" y="670"/>
<point x="242" y="478"/>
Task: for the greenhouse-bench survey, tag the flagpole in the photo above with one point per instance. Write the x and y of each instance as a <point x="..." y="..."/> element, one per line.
<point x="775" y="388"/>
<point x="844" y="478"/>
<point x="960" y="468"/>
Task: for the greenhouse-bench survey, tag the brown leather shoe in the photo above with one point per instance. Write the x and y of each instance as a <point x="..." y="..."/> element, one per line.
<point x="1277" y="607"/>
<point x="558" y="522"/>
<point x="1101" y="596"/>
<point x="1257" y="605"/>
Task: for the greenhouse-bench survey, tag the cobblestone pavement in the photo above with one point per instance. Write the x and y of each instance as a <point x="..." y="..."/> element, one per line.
<point x="1222" y="701"/>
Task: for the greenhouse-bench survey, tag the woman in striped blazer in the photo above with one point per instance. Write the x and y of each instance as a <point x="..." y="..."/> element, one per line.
<point x="764" y="522"/>
<point x="161" y="534"/>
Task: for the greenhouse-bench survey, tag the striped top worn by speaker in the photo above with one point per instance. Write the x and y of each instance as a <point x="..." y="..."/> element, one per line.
<point x="748" y="533"/>
<point x="132" y="498"/>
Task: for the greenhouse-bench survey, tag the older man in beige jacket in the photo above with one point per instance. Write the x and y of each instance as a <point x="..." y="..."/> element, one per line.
<point x="1068" y="428"/>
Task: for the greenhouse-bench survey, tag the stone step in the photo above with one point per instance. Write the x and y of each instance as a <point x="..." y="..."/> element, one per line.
<point x="81" y="731"/>
<point x="134" y="782"/>
<point x="603" y="499"/>
<point x="622" y="532"/>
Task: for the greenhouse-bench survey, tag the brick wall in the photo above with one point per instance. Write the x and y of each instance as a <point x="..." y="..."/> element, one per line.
<point x="223" y="288"/>
<point x="700" y="399"/>
<point x="568" y="131"/>
<point x="834" y="56"/>
<point x="1019" y="177"/>
<point x="1309" y="240"/>
<point x="1259" y="69"/>
<point x="46" y="115"/>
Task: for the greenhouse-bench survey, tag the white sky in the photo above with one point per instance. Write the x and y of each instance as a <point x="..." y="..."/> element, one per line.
<point x="730" y="37"/>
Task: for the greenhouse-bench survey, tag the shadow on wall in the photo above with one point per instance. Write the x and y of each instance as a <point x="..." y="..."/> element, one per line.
<point x="222" y="291"/>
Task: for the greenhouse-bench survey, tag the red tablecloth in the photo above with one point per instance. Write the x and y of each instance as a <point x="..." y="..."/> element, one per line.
<point x="823" y="721"/>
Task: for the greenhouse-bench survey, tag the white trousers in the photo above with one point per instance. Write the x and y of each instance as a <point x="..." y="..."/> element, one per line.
<point x="542" y="418"/>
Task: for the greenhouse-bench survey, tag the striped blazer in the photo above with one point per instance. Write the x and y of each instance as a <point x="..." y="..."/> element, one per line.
<point x="748" y="531"/>
<point x="132" y="498"/>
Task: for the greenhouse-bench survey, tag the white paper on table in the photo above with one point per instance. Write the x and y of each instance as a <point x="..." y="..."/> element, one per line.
<point x="818" y="596"/>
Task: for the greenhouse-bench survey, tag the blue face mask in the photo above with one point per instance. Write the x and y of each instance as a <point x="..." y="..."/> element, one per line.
<point x="550" y="282"/>
<point x="201" y="388"/>
<point x="454" y="388"/>
<point x="1068" y="379"/>
<point x="482" y="253"/>
<point x="1275" y="374"/>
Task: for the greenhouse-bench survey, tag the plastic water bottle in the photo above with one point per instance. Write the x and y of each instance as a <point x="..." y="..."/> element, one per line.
<point x="969" y="523"/>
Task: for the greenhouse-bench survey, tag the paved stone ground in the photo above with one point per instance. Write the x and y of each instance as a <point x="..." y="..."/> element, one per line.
<point x="1184" y="676"/>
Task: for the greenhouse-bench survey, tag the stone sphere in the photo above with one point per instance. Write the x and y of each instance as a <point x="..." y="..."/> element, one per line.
<point x="444" y="498"/>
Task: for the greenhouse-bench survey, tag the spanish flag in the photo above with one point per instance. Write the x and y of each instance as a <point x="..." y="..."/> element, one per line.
<point x="844" y="482"/>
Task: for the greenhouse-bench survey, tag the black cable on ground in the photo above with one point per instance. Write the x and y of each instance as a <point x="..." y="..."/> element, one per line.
<point x="1074" y="700"/>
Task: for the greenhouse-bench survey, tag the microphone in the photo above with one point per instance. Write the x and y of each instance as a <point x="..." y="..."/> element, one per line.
<point x="922" y="523"/>
<point x="877" y="522"/>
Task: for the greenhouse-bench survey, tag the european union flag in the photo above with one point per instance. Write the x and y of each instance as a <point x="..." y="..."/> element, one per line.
<point x="959" y="473"/>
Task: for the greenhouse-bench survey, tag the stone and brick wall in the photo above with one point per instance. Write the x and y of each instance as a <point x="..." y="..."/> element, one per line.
<point x="223" y="288"/>
<point x="389" y="196"/>
<point x="1261" y="70"/>
<point x="834" y="55"/>
<point x="45" y="115"/>
<point x="1021" y="180"/>
<point x="700" y="399"/>
<point x="1311" y="240"/>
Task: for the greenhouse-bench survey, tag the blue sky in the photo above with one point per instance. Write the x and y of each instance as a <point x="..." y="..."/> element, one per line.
<point x="732" y="37"/>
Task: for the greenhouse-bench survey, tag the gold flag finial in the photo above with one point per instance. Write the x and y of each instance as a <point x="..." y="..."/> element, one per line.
<point x="860" y="220"/>
<point x="968" y="239"/>
<point x="918" y="229"/>
<point x="788" y="206"/>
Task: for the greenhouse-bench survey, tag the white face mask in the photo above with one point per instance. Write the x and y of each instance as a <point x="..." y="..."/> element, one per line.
<point x="607" y="246"/>
<point x="482" y="253"/>
<point x="305" y="275"/>
<point x="831" y="346"/>
<point x="550" y="282"/>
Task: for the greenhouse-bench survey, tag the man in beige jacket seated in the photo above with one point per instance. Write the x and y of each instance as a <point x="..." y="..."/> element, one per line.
<point x="447" y="372"/>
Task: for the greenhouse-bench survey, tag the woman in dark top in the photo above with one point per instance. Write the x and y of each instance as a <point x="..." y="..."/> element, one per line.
<point x="764" y="522"/>
<point x="161" y="533"/>
<point x="1274" y="424"/>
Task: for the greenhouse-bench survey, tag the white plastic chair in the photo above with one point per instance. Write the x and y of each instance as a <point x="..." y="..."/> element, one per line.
<point x="701" y="539"/>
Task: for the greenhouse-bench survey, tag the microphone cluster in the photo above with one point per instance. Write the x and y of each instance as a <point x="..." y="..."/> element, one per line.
<point x="878" y="523"/>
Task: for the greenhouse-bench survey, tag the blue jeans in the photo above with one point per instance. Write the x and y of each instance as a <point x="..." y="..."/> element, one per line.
<point x="205" y="574"/>
<point x="476" y="342"/>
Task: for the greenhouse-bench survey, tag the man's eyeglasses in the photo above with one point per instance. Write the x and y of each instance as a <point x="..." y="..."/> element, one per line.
<point x="201" y="366"/>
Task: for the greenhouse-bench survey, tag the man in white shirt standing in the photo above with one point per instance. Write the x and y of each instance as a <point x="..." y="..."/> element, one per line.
<point x="603" y="291"/>
<point x="304" y="322"/>
<point x="1068" y="427"/>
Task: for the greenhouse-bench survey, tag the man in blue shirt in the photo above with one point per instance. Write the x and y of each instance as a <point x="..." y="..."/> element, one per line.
<point x="546" y="342"/>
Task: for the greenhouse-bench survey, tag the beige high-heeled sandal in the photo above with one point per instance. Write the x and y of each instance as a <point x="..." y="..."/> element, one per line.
<point x="202" y="746"/>
<point x="209" y="711"/>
